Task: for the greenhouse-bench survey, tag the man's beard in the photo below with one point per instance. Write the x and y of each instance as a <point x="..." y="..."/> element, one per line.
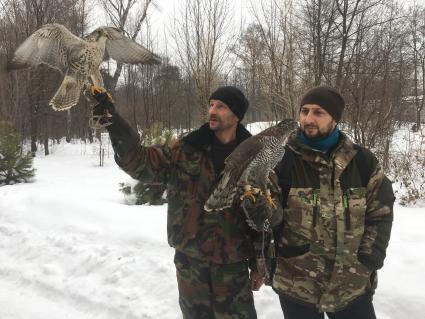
<point x="218" y="124"/>
<point x="319" y="134"/>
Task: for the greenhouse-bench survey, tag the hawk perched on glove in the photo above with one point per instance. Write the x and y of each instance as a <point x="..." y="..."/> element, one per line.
<point x="247" y="168"/>
<point x="78" y="59"/>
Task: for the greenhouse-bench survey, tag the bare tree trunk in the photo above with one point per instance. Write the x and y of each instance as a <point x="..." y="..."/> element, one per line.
<point x="46" y="145"/>
<point x="68" y="126"/>
<point x="201" y="46"/>
<point x="320" y="21"/>
<point x="33" y="129"/>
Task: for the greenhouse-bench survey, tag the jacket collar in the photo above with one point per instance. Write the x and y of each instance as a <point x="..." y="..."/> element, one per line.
<point x="323" y="144"/>
<point x="202" y="138"/>
<point x="344" y="145"/>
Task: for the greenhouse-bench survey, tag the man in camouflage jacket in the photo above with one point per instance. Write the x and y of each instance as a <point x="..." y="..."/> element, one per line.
<point x="214" y="251"/>
<point x="337" y="217"/>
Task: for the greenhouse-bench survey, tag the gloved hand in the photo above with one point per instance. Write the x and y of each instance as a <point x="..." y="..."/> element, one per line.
<point x="260" y="214"/>
<point x="103" y="109"/>
<point x="257" y="280"/>
<point x="123" y="137"/>
<point x="370" y="261"/>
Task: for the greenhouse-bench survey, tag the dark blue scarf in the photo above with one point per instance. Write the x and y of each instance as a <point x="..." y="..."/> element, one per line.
<point x="323" y="144"/>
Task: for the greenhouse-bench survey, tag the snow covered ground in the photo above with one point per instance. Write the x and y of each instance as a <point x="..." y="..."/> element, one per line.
<point x="71" y="248"/>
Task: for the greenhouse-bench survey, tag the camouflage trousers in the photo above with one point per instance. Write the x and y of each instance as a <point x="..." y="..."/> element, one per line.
<point x="212" y="291"/>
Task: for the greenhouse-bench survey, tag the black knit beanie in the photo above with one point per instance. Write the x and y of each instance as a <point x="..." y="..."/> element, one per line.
<point x="328" y="98"/>
<point x="233" y="98"/>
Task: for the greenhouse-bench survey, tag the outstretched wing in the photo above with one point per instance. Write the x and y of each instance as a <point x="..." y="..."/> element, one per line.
<point x="49" y="45"/>
<point x="123" y="49"/>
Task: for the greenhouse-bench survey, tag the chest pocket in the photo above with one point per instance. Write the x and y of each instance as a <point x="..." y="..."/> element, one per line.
<point x="354" y="200"/>
<point x="299" y="215"/>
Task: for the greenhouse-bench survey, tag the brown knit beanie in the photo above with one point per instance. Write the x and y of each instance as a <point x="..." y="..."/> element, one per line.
<point x="328" y="98"/>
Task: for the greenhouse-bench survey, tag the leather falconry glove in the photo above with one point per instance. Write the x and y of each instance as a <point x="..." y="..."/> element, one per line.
<point x="103" y="109"/>
<point x="260" y="214"/>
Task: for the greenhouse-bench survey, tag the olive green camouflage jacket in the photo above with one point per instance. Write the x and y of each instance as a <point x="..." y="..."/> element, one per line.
<point x="336" y="225"/>
<point x="187" y="170"/>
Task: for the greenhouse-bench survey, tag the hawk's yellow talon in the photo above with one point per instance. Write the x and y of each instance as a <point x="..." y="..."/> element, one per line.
<point x="271" y="202"/>
<point x="250" y="194"/>
<point x="269" y="199"/>
<point x="97" y="89"/>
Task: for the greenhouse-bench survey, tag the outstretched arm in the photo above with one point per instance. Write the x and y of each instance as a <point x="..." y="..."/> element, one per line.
<point x="147" y="164"/>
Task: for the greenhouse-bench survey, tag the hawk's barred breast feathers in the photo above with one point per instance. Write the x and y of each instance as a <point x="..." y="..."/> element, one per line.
<point x="249" y="165"/>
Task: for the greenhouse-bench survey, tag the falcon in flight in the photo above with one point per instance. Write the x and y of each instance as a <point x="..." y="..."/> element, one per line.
<point x="247" y="168"/>
<point x="78" y="59"/>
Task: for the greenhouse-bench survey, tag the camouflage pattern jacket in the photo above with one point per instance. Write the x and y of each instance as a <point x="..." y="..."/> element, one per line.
<point x="336" y="225"/>
<point x="187" y="170"/>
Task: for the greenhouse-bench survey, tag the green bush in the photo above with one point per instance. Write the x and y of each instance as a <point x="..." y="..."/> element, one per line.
<point x="156" y="134"/>
<point x="15" y="167"/>
<point x="152" y="194"/>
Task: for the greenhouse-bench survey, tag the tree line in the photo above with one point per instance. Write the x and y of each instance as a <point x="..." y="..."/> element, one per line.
<point x="373" y="51"/>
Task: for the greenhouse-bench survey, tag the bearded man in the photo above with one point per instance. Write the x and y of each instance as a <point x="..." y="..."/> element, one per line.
<point x="338" y="213"/>
<point x="215" y="254"/>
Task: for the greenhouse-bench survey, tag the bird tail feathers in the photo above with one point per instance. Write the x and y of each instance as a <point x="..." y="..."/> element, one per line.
<point x="67" y="95"/>
<point x="223" y="195"/>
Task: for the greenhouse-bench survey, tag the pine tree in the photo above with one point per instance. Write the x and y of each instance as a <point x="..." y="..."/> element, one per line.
<point x="15" y="167"/>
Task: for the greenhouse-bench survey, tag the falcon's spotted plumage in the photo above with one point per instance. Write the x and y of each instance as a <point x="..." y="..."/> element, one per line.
<point x="78" y="59"/>
<point x="247" y="168"/>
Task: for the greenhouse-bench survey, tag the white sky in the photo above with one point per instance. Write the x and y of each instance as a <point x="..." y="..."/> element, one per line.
<point x="162" y="16"/>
